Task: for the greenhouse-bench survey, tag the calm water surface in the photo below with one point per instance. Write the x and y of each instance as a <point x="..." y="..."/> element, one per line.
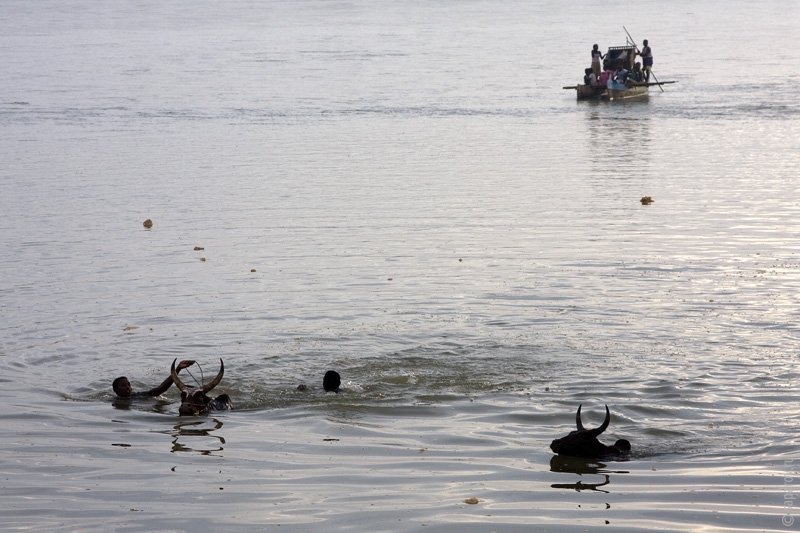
<point x="403" y="192"/>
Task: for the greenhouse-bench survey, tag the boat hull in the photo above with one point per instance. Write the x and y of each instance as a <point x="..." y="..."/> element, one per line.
<point x="628" y="93"/>
<point x="587" y="92"/>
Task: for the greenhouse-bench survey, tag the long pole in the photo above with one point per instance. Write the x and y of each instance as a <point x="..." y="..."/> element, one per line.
<point x="638" y="51"/>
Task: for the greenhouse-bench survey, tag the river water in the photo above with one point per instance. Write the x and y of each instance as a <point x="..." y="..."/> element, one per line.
<point x="403" y="192"/>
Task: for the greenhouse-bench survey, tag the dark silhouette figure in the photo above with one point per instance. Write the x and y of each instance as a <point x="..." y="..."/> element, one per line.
<point x="583" y="442"/>
<point x="331" y="381"/>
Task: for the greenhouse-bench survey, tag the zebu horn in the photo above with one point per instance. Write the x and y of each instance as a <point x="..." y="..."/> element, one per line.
<point x="217" y="379"/>
<point x="604" y="425"/>
<point x="578" y="418"/>
<point x="175" y="378"/>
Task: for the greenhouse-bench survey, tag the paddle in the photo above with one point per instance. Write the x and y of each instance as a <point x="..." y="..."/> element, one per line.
<point x="639" y="52"/>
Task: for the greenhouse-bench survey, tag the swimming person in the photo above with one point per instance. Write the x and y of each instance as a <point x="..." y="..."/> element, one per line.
<point x="331" y="381"/>
<point x="122" y="387"/>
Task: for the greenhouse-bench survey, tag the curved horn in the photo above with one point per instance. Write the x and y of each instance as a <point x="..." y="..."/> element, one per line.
<point x="175" y="378"/>
<point x="578" y="418"/>
<point x="604" y="425"/>
<point x="208" y="386"/>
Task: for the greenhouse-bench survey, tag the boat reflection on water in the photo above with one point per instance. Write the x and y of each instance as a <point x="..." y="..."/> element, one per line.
<point x="192" y="436"/>
<point x="619" y="143"/>
<point x="581" y="466"/>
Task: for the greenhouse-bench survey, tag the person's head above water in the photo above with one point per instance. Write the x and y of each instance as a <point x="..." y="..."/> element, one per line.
<point x="122" y="387"/>
<point x="331" y="381"/>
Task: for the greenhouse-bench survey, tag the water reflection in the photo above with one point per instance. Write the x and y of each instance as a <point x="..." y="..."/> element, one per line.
<point x="620" y="141"/>
<point x="580" y="466"/>
<point x="192" y="437"/>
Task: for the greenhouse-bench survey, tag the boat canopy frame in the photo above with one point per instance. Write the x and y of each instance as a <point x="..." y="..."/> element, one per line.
<point x="626" y="54"/>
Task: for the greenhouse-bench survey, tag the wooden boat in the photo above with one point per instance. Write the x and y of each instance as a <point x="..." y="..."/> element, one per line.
<point x="617" y="91"/>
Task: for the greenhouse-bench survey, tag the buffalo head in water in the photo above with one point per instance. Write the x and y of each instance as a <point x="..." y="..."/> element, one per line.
<point x="195" y="401"/>
<point x="583" y="442"/>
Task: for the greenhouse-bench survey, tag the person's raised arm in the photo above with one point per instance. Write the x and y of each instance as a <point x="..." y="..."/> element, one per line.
<point x="167" y="383"/>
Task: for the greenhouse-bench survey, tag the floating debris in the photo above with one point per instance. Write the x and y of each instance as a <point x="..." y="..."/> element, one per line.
<point x="129" y="328"/>
<point x="472" y="501"/>
<point x="147" y="223"/>
<point x="646" y="200"/>
<point x="252" y="270"/>
<point x="198" y="248"/>
<point x="203" y="259"/>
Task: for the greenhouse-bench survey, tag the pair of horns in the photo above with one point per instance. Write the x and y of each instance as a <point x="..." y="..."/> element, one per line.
<point x="207" y="387"/>
<point x="594" y="432"/>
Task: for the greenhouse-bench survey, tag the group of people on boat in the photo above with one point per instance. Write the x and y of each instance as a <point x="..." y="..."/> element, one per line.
<point x="620" y="75"/>
<point x="599" y="77"/>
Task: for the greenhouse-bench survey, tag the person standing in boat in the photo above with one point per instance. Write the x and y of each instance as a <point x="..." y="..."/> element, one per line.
<point x="596" y="57"/>
<point x="647" y="59"/>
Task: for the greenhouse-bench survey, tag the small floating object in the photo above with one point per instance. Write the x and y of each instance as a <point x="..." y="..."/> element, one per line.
<point x="203" y="259"/>
<point x="130" y="328"/>
<point x="472" y="501"/>
<point x="252" y="270"/>
<point x="198" y="248"/>
<point x="147" y="223"/>
<point x="646" y="200"/>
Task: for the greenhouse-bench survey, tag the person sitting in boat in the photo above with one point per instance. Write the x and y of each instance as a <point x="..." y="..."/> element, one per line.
<point x="621" y="75"/>
<point x="605" y="76"/>
<point x="589" y="78"/>
<point x="636" y="75"/>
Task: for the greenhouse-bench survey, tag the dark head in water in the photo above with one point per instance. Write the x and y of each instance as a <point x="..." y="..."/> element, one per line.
<point x="583" y="442"/>
<point x="331" y="381"/>
<point x="195" y="401"/>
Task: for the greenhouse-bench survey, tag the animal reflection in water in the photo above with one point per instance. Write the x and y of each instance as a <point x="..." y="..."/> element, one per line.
<point x="582" y="467"/>
<point x="195" y="400"/>
<point x="583" y="442"/>
<point x="194" y="431"/>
